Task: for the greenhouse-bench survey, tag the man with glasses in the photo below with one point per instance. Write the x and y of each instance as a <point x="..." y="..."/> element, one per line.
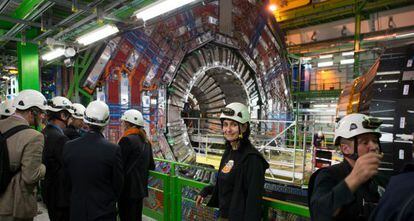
<point x="18" y="200"/>
<point x="346" y="191"/>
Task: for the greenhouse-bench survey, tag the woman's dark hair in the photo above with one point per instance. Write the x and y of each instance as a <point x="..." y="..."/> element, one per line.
<point x="141" y="132"/>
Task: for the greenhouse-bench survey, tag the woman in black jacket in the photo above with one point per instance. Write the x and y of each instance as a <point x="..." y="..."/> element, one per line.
<point x="240" y="183"/>
<point x="138" y="160"/>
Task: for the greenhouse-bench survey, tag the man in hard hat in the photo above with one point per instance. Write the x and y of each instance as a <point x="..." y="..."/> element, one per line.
<point x="94" y="168"/>
<point x="75" y="124"/>
<point x="18" y="200"/>
<point x="6" y="109"/>
<point x="346" y="191"/>
<point x="54" y="190"/>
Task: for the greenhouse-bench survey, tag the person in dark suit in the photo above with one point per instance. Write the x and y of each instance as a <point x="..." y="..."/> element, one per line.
<point x="54" y="192"/>
<point x="137" y="159"/>
<point x="94" y="168"/>
<point x="75" y="124"/>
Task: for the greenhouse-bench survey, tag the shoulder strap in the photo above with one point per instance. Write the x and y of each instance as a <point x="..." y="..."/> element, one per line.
<point x="136" y="160"/>
<point x="14" y="130"/>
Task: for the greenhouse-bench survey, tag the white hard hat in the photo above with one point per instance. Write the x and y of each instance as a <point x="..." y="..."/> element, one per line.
<point x="6" y="108"/>
<point x="134" y="117"/>
<point x="356" y="124"/>
<point x="30" y="98"/>
<point x="78" y="110"/>
<point x="237" y="112"/>
<point x="60" y="103"/>
<point x="97" y="113"/>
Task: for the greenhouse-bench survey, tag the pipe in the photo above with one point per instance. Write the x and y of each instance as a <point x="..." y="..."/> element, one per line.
<point x="81" y="11"/>
<point x="18" y="27"/>
<point x="3" y="5"/>
<point x="20" y="21"/>
<point x="87" y="19"/>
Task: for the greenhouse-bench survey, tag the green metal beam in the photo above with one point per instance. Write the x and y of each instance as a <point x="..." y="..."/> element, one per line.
<point x="78" y="73"/>
<point x="26" y="7"/>
<point x="28" y="63"/>
<point x="86" y="94"/>
<point x="357" y="41"/>
<point x="23" y="11"/>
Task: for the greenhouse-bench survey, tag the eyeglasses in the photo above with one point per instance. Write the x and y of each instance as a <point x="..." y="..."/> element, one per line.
<point x="371" y="123"/>
<point x="230" y="112"/>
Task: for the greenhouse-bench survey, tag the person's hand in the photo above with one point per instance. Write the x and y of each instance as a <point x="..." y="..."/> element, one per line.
<point x="199" y="200"/>
<point x="365" y="167"/>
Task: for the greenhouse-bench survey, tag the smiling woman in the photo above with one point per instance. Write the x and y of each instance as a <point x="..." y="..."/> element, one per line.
<point x="240" y="178"/>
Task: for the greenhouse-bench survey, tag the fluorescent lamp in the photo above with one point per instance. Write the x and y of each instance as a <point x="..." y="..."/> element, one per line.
<point x="159" y="8"/>
<point x="325" y="64"/>
<point x="97" y="34"/>
<point x="320" y="105"/>
<point x="325" y="56"/>
<point x="405" y="35"/>
<point x="347" y="61"/>
<point x="55" y="53"/>
<point x="306" y="58"/>
<point x="272" y="7"/>
<point x="348" y="53"/>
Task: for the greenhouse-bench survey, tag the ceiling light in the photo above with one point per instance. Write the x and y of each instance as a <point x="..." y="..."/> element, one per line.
<point x="347" y="61"/>
<point x="97" y="34"/>
<point x="306" y="58"/>
<point x="348" y="53"/>
<point x="325" y="64"/>
<point x="272" y="7"/>
<point x="405" y="35"/>
<point x="159" y="8"/>
<point x="325" y="56"/>
<point x="320" y="105"/>
<point x="55" y="53"/>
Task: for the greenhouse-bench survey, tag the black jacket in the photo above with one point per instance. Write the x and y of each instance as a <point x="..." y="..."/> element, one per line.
<point x="94" y="168"/>
<point x="249" y="185"/>
<point x="54" y="188"/>
<point x="134" y="148"/>
<point x="71" y="132"/>
<point x="331" y="193"/>
<point x="397" y="204"/>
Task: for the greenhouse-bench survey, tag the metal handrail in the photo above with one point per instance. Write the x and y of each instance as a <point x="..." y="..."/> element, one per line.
<point x="173" y="185"/>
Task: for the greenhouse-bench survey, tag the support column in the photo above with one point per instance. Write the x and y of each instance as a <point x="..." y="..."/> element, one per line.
<point x="28" y="63"/>
<point x="357" y="42"/>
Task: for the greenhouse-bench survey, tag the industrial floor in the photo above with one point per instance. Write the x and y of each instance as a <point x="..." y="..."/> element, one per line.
<point x="43" y="216"/>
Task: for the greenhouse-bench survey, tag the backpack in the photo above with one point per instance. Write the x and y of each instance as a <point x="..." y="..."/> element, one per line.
<point x="5" y="173"/>
<point x="311" y="186"/>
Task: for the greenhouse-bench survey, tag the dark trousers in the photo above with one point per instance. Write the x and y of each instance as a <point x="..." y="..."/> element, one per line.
<point x="130" y="209"/>
<point x="58" y="214"/>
